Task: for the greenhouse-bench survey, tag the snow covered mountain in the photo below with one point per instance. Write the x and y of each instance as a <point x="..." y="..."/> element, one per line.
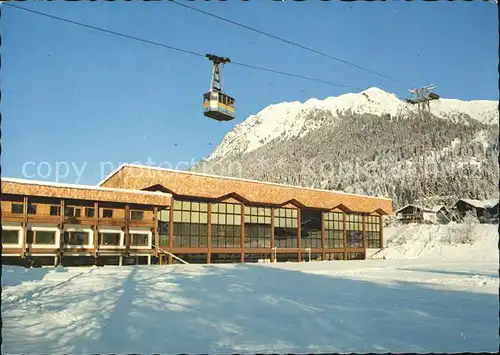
<point x="369" y="143"/>
<point x="292" y="119"/>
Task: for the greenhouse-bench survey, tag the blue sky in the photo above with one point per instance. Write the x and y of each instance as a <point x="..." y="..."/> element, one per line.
<point x="85" y="100"/>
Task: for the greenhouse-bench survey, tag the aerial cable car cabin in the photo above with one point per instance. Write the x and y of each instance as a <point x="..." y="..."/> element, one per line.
<point x="217" y="105"/>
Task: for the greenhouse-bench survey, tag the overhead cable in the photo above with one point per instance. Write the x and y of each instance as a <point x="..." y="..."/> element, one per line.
<point x="287" y="41"/>
<point x="175" y="48"/>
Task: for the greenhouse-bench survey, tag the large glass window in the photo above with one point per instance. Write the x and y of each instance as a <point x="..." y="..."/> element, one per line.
<point x="74" y="238"/>
<point x="285" y="228"/>
<point x="190" y="224"/>
<point x="310" y="228"/>
<point x="226" y="225"/>
<point x="41" y="237"/>
<point x="258" y="233"/>
<point x="10" y="236"/>
<point x="164" y="226"/>
<point x="139" y="239"/>
<point x="334" y="230"/>
<point x="372" y="231"/>
<point x="354" y="230"/>
<point x="109" y="239"/>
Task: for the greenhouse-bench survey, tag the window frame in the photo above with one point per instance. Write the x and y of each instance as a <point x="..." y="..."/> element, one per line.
<point x="77" y="211"/>
<point x="141" y="215"/>
<point x="89" y="212"/>
<point x="190" y="224"/>
<point x="13" y="208"/>
<point x="57" y="209"/>
<point x="33" y="230"/>
<point x="70" y="231"/>
<point x="372" y="232"/>
<point x="258" y="227"/>
<point x="121" y="240"/>
<point x="290" y="232"/>
<point x="143" y="234"/>
<point x="32" y="207"/>
<point x="354" y="230"/>
<point x="17" y="230"/>
<point x="163" y="218"/>
<point x="334" y="229"/>
<point x="105" y="211"/>
<point x="228" y="233"/>
<point x="310" y="236"/>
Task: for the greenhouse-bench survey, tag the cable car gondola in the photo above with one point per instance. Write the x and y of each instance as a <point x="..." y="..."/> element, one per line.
<point x="217" y="105"/>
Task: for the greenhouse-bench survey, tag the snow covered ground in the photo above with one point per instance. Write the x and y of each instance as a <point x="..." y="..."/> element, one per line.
<point x="441" y="242"/>
<point x="409" y="302"/>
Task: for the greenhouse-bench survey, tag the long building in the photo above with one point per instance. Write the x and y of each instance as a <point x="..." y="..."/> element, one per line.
<point x="142" y="215"/>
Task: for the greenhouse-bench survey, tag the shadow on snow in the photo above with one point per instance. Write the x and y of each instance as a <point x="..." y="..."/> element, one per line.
<point x="251" y="308"/>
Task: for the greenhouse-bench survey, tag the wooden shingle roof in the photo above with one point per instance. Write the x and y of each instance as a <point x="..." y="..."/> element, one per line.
<point x="83" y="192"/>
<point x="184" y="183"/>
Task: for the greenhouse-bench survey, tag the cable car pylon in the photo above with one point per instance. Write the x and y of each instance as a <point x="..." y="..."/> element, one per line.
<point x="218" y="105"/>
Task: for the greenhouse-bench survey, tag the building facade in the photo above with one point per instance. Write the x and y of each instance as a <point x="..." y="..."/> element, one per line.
<point x="418" y="214"/>
<point x="145" y="215"/>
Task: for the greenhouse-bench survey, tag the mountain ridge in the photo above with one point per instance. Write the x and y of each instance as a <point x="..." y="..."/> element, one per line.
<point x="368" y="143"/>
<point x="285" y="119"/>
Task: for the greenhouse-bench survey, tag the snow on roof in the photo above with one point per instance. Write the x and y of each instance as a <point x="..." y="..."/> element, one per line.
<point x="436" y="208"/>
<point x="474" y="203"/>
<point x="481" y="203"/>
<point x="81" y="187"/>
<point x="406" y="206"/>
<point x="433" y="209"/>
<point x="491" y="203"/>
<point x="229" y="178"/>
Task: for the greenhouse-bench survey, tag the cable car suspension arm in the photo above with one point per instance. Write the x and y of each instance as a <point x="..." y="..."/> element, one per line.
<point x="216" y="81"/>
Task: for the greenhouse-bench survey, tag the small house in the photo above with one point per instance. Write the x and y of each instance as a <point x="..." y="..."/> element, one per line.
<point x="485" y="210"/>
<point x="417" y="214"/>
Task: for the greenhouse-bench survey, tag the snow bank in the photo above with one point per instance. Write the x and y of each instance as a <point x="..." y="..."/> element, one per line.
<point x="440" y="242"/>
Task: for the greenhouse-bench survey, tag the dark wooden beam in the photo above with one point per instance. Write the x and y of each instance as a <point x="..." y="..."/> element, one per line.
<point x="272" y="235"/>
<point x="209" y="232"/>
<point x="299" y="237"/>
<point x="323" y="236"/>
<point x="243" y="233"/>
<point x="171" y="232"/>
<point x="344" y="215"/>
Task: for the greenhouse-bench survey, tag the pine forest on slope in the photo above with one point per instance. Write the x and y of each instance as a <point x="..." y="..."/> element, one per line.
<point x="368" y="143"/>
